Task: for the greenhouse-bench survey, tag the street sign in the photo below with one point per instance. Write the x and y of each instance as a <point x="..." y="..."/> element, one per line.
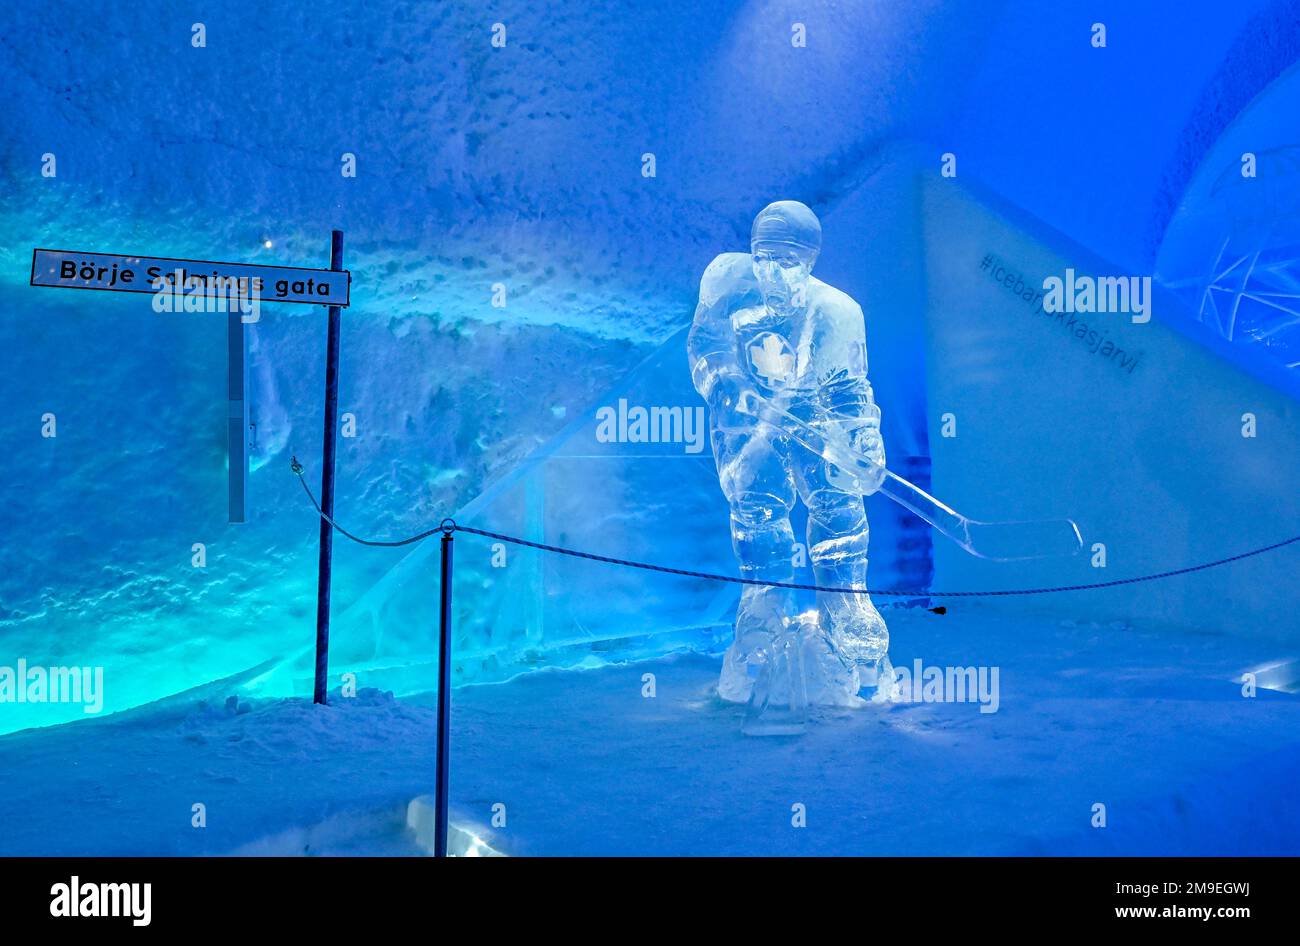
<point x="237" y="290"/>
<point x="113" y="272"/>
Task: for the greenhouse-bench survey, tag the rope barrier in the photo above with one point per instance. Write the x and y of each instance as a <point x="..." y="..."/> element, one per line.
<point x="448" y="526"/>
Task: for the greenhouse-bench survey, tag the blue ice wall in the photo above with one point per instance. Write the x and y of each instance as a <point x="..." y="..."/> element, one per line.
<point x="520" y="166"/>
<point x="1146" y="449"/>
<point x="1102" y="143"/>
<point x="1231" y="252"/>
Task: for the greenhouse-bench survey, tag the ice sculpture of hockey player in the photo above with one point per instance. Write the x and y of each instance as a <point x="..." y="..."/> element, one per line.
<point x="765" y="328"/>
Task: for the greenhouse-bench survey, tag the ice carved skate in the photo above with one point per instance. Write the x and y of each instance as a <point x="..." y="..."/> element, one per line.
<point x="830" y="674"/>
<point x="778" y="705"/>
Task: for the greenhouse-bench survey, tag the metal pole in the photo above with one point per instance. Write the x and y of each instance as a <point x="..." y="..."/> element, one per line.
<point x="444" y="704"/>
<point x="327" y="483"/>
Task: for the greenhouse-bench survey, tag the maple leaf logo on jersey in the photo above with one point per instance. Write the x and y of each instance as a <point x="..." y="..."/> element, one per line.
<point x="772" y="358"/>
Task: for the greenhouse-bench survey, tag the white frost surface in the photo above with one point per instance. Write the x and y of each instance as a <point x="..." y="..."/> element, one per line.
<point x="1146" y="722"/>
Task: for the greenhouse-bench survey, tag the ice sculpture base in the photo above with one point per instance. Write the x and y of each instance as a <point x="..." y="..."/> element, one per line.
<point x="778" y="705"/>
<point x="782" y="721"/>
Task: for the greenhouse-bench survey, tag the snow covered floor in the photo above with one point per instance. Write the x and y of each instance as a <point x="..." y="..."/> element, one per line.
<point x="1148" y="723"/>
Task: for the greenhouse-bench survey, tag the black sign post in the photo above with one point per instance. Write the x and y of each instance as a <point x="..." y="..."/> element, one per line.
<point x="442" y="774"/>
<point x="327" y="483"/>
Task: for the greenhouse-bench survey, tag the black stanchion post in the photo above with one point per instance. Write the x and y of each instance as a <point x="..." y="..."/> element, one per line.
<point x="444" y="703"/>
<point x="327" y="482"/>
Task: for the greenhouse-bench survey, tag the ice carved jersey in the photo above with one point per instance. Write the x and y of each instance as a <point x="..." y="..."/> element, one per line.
<point x="816" y="357"/>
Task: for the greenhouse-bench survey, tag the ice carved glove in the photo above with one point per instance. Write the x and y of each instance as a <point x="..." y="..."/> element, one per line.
<point x="730" y="395"/>
<point x="847" y="413"/>
<point x="867" y="440"/>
